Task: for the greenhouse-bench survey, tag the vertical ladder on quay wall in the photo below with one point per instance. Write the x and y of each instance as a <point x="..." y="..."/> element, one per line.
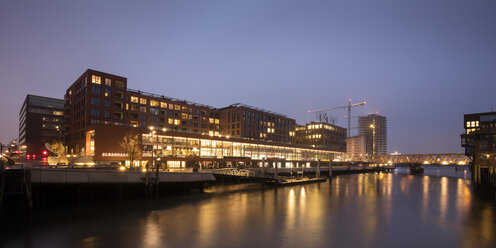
<point x="15" y="182"/>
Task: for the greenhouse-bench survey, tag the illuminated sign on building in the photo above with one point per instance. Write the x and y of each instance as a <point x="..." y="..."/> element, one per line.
<point x="112" y="154"/>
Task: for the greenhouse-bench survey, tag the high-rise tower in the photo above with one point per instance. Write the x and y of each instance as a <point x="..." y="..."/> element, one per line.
<point x="374" y="128"/>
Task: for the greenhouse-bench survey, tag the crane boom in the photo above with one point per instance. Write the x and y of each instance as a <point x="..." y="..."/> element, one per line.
<point x="349" y="106"/>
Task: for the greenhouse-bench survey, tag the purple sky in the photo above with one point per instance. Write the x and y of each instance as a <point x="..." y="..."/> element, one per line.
<point x="421" y="63"/>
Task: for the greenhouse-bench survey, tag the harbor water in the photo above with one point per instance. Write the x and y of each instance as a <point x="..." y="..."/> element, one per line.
<point x="437" y="209"/>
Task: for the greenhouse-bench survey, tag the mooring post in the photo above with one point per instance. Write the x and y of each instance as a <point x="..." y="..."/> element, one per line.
<point x="263" y="167"/>
<point x="330" y="170"/>
<point x="317" y="173"/>
<point x="275" y="169"/>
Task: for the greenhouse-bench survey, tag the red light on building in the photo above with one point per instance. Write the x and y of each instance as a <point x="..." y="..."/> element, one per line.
<point x="44" y="153"/>
<point x="34" y="157"/>
<point x="28" y="157"/>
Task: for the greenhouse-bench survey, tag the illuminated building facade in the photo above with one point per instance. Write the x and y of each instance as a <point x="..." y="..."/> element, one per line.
<point x="102" y="98"/>
<point x="239" y="120"/>
<point x="355" y="148"/>
<point x="479" y="139"/>
<point x="101" y="110"/>
<point x="374" y="128"/>
<point x="323" y="135"/>
<point x="41" y="121"/>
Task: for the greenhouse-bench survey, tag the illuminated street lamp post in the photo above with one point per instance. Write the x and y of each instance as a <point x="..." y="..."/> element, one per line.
<point x="148" y="164"/>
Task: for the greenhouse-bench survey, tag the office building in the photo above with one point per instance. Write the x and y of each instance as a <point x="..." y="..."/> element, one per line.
<point x="101" y="110"/>
<point x="240" y="120"/>
<point x="479" y="138"/>
<point x="355" y="148"/>
<point x="374" y="128"/>
<point x="41" y="120"/>
<point x="323" y="135"/>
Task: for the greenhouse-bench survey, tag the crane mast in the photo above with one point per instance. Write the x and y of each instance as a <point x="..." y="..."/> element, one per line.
<point x="349" y="106"/>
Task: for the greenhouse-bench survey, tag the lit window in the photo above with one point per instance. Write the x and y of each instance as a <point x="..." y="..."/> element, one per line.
<point x="171" y="121"/>
<point x="153" y="103"/>
<point x="177" y="122"/>
<point x="211" y="120"/>
<point x="142" y="100"/>
<point x="477" y="123"/>
<point x="108" y="82"/>
<point x="177" y="107"/>
<point x="163" y="105"/>
<point x="134" y="99"/>
<point x="184" y="116"/>
<point x="216" y="121"/>
<point x="96" y="79"/>
<point x="171" y="106"/>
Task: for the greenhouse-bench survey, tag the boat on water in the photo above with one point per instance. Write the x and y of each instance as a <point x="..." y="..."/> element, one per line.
<point x="416" y="169"/>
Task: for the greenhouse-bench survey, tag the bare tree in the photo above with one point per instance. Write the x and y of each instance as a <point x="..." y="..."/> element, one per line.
<point x="131" y="144"/>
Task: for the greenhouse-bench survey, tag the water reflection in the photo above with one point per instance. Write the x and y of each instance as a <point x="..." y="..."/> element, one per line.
<point x="366" y="210"/>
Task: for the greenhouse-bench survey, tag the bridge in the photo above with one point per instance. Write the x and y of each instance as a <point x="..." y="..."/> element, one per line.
<point x="426" y="159"/>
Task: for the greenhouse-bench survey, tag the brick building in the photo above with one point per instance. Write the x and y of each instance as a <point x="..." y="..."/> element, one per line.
<point x="100" y="110"/>
<point x="239" y="120"/>
<point x="323" y="135"/>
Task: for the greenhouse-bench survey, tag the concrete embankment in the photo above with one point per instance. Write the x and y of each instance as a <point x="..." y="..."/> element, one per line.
<point x="41" y="187"/>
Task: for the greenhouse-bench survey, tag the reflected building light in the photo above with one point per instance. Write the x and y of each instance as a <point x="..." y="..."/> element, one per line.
<point x="443" y="205"/>
<point x="425" y="196"/>
<point x="152" y="236"/>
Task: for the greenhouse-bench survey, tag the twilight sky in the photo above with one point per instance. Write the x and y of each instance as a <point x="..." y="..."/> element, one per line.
<point x="421" y="63"/>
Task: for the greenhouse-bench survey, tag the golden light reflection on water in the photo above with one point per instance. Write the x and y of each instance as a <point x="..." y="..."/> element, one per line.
<point x="463" y="198"/>
<point x="371" y="206"/>
<point x="487" y="225"/>
<point x="152" y="231"/>
<point x="443" y="199"/>
<point x="425" y="196"/>
<point x="368" y="210"/>
<point x="291" y="207"/>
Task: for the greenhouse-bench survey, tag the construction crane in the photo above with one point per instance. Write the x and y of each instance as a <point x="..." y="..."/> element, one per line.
<point x="349" y="106"/>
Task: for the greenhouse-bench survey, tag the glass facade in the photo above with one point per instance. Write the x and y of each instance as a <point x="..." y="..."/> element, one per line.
<point x="183" y="147"/>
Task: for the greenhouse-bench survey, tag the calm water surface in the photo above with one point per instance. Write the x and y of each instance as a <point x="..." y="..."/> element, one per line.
<point x="366" y="210"/>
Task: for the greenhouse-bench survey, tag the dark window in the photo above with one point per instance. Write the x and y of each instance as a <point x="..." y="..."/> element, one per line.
<point x="154" y="110"/>
<point x="142" y="117"/>
<point x="107" y="103"/>
<point x="95" y="90"/>
<point x="95" y="101"/>
<point x="95" y="112"/>
<point x="106" y="114"/>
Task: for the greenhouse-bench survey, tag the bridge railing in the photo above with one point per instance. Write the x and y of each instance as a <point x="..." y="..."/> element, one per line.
<point x="443" y="159"/>
<point x="236" y="172"/>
